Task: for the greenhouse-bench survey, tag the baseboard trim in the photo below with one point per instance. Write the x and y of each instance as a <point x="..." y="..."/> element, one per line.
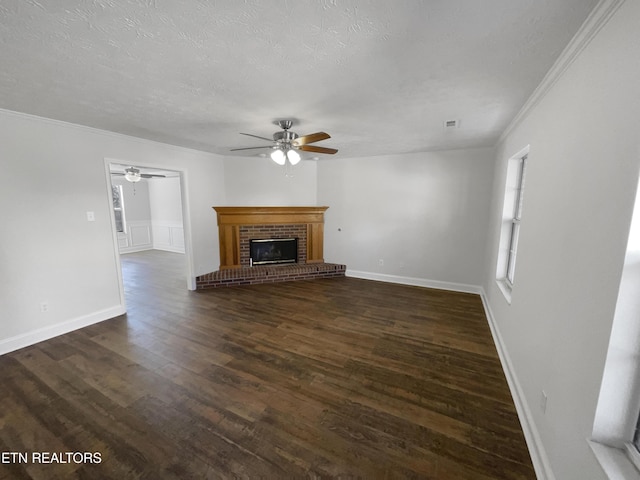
<point x="536" y="450"/>
<point x="417" y="282"/>
<point x="534" y="443"/>
<point x="136" y="249"/>
<point x="168" y="248"/>
<point x="30" y="338"/>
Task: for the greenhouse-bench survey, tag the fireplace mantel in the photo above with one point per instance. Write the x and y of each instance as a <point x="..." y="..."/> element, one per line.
<point x="230" y="219"/>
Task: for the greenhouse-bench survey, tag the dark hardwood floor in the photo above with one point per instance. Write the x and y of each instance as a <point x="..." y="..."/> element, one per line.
<point x="328" y="378"/>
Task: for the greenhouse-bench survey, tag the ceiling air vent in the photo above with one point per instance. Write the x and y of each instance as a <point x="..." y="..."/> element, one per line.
<point x="451" y="124"/>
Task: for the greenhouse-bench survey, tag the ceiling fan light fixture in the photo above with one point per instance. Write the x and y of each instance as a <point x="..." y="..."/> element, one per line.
<point x="293" y="156"/>
<point x="132" y="175"/>
<point x="286" y="144"/>
<point x="278" y="157"/>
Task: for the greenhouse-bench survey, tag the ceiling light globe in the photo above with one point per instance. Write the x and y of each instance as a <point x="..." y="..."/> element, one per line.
<point x="293" y="156"/>
<point x="278" y="157"/>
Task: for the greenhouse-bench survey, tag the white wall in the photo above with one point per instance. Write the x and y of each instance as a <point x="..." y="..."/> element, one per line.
<point x="136" y="199"/>
<point x="582" y="174"/>
<point x="425" y="215"/>
<point x="53" y="173"/>
<point x="257" y="181"/>
<point x="578" y="200"/>
<point x="165" y="198"/>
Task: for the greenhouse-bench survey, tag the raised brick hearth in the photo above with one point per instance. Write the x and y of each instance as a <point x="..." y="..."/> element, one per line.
<point x="269" y="274"/>
<point x="238" y="225"/>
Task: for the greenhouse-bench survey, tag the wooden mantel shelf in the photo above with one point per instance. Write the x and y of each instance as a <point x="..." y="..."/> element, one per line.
<point x="230" y="219"/>
<point x="269" y="215"/>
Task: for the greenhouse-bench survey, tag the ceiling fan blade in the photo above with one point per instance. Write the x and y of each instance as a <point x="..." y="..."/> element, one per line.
<point x="151" y="175"/>
<point x="311" y="138"/>
<point x="250" y="148"/>
<point x="313" y="148"/>
<point x="256" y="136"/>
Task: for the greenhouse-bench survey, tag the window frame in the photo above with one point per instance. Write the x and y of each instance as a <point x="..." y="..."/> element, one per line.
<point x="120" y="209"/>
<point x="631" y="449"/>
<point x="617" y="417"/>
<point x="510" y="226"/>
<point x="514" y="234"/>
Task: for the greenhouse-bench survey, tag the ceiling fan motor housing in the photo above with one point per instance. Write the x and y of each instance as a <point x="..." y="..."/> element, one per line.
<point x="285" y="136"/>
<point x="286" y="140"/>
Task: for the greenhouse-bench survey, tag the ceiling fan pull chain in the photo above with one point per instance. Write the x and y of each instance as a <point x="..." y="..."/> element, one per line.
<point x="286" y="142"/>
<point x="288" y="169"/>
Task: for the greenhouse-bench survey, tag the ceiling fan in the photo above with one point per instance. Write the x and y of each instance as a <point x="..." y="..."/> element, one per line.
<point x="132" y="174"/>
<point x="285" y="143"/>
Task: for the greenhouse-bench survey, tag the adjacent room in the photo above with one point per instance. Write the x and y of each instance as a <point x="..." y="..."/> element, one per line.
<point x="320" y="239"/>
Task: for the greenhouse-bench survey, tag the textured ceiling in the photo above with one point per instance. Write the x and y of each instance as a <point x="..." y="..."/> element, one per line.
<point x="381" y="77"/>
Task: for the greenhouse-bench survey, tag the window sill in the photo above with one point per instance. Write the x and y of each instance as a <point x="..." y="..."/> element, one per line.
<point x="614" y="462"/>
<point x="505" y="289"/>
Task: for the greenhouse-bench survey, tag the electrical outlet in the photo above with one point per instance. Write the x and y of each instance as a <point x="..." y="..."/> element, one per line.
<point x="381" y="262"/>
<point x="91" y="217"/>
<point x="543" y="401"/>
<point x="44" y="307"/>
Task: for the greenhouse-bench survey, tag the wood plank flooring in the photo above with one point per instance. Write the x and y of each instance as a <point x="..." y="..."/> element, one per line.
<point x="327" y="378"/>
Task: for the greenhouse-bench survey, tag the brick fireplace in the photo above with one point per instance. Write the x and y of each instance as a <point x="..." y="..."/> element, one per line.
<point x="261" y="232"/>
<point x="238" y="225"/>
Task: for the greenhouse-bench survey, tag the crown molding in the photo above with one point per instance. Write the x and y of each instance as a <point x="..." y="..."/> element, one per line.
<point x="597" y="19"/>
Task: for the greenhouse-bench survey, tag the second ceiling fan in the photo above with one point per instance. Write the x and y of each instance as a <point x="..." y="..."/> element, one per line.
<point x="285" y="144"/>
<point x="133" y="174"/>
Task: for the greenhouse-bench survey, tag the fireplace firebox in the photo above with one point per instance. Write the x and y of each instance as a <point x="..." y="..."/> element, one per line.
<point x="271" y="251"/>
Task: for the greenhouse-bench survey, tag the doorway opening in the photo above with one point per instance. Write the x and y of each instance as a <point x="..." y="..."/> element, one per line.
<point x="149" y="226"/>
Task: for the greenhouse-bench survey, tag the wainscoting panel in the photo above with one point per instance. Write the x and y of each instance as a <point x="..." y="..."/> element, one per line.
<point x="123" y="240"/>
<point x="177" y="237"/>
<point x="168" y="237"/>
<point x="140" y="235"/>
<point x="137" y="238"/>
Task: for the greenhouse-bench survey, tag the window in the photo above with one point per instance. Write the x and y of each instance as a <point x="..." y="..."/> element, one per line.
<point x="511" y="217"/>
<point x="515" y="223"/>
<point x="118" y="207"/>
<point x="636" y="440"/>
<point x="616" y="437"/>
